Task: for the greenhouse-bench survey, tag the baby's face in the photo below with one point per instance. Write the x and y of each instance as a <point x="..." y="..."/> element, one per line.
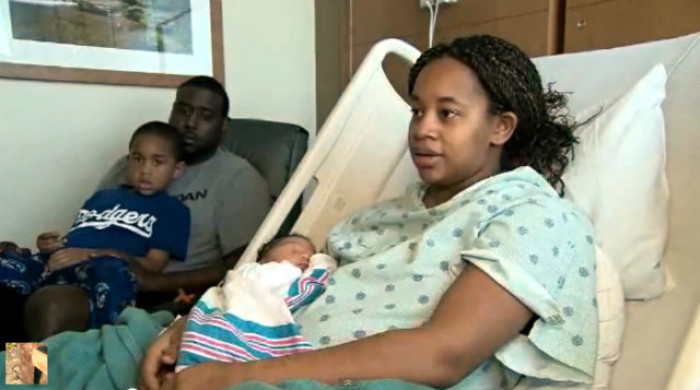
<point x="296" y="250"/>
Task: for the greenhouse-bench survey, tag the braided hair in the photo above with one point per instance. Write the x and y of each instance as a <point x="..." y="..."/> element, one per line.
<point x="543" y="138"/>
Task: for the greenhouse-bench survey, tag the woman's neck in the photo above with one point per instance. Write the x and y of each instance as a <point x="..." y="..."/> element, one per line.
<point x="436" y="195"/>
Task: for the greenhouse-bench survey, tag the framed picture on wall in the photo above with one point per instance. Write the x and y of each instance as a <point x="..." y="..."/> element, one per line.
<point x="129" y="42"/>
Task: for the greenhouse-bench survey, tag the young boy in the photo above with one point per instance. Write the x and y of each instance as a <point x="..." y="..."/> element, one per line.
<point x="250" y="316"/>
<point x="137" y="225"/>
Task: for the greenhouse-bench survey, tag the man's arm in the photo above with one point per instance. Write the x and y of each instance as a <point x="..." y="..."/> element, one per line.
<point x="193" y="281"/>
<point x="232" y="258"/>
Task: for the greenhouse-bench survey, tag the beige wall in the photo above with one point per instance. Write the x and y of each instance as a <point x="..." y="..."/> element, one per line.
<point x="57" y="139"/>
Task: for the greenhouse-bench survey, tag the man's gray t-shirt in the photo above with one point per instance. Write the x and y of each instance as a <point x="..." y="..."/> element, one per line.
<point x="228" y="200"/>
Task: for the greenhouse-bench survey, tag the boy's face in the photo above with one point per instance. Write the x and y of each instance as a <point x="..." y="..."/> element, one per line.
<point x="151" y="164"/>
<point x="296" y="250"/>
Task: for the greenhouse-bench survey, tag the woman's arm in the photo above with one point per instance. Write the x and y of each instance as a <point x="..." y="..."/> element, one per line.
<point x="474" y="319"/>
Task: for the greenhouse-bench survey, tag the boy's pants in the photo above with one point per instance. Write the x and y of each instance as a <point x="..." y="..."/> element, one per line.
<point x="108" y="281"/>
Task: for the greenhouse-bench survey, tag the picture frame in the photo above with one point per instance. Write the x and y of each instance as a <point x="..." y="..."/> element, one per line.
<point x="158" y="43"/>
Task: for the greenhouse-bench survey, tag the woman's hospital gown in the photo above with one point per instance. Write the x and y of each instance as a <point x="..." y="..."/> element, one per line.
<point x="397" y="259"/>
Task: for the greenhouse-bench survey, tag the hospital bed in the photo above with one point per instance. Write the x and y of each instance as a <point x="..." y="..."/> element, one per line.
<point x="360" y="156"/>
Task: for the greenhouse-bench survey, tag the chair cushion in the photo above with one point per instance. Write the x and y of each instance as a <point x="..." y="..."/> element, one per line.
<point x="273" y="148"/>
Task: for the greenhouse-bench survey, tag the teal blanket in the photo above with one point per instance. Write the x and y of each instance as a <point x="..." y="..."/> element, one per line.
<point x="108" y="359"/>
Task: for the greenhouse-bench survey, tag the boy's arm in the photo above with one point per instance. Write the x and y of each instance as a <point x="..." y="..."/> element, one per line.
<point x="193" y="281"/>
<point x="150" y="276"/>
<point x="154" y="261"/>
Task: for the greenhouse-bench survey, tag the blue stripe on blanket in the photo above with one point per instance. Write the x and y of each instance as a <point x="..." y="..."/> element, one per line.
<point x="214" y="335"/>
<point x="306" y="289"/>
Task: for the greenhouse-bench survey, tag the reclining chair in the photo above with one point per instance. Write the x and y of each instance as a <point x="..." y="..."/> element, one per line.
<point x="274" y="149"/>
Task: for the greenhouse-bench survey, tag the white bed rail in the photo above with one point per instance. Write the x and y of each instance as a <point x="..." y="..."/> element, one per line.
<point x="326" y="141"/>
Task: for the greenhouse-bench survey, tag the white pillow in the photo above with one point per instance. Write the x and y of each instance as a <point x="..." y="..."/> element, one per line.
<point x="618" y="177"/>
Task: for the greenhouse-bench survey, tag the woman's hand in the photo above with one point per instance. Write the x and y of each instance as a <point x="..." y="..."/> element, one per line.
<point x="159" y="362"/>
<point x="203" y="376"/>
<point x="66" y="257"/>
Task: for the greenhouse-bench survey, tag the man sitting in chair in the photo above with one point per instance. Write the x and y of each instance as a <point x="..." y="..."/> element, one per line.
<point x="227" y="197"/>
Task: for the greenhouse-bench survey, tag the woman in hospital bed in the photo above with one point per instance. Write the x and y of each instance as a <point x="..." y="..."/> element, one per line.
<point x="477" y="277"/>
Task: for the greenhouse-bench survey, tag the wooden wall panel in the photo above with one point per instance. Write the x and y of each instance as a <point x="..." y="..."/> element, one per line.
<point x="588" y="25"/>
<point x="332" y="50"/>
<point x="580" y="3"/>
<point x="528" y="31"/>
<point x="377" y="19"/>
<point x="534" y="42"/>
<point x="602" y="25"/>
<point x="399" y="18"/>
<point x="523" y="22"/>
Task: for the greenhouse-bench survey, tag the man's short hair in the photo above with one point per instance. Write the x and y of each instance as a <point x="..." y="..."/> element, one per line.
<point x="212" y="85"/>
<point x="165" y="131"/>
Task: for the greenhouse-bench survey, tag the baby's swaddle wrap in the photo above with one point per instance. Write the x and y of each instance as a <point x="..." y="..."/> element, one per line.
<point x="250" y="317"/>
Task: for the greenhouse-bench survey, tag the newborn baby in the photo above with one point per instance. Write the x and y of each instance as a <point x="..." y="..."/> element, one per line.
<point x="250" y="316"/>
